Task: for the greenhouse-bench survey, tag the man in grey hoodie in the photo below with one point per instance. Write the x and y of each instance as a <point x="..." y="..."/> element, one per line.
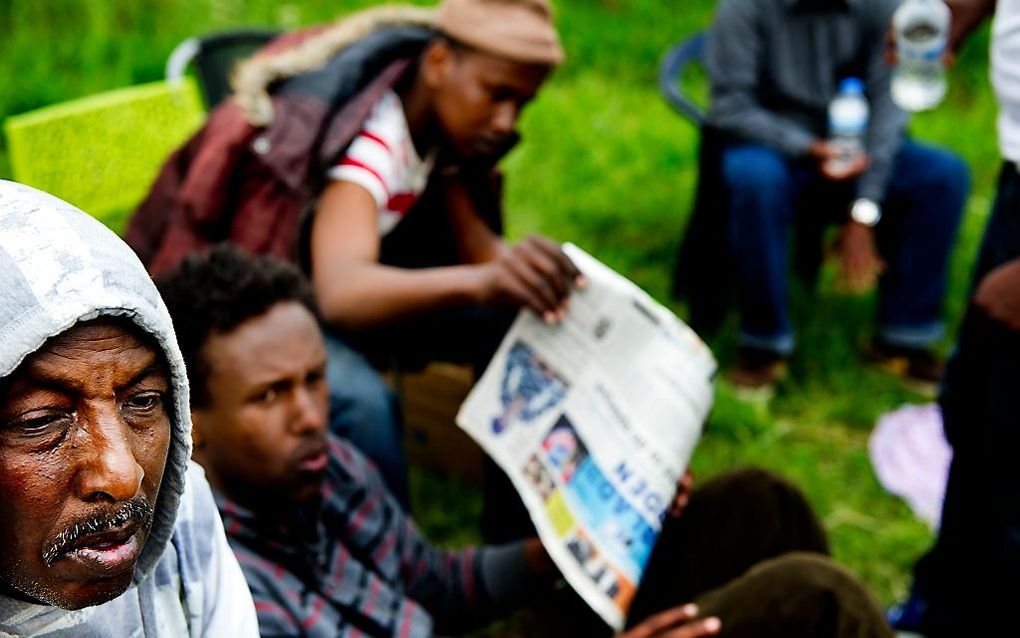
<point x="107" y="528"/>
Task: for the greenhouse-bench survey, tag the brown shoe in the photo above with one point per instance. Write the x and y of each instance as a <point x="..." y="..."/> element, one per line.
<point x="757" y="371"/>
<point x="920" y="368"/>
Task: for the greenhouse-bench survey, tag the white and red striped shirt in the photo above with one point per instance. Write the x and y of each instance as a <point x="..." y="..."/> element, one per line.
<point x="383" y="160"/>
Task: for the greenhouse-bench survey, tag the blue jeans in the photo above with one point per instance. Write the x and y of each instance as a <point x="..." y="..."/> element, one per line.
<point x="366" y="412"/>
<point x="921" y="213"/>
<point x="363" y="410"/>
<point x="458" y="335"/>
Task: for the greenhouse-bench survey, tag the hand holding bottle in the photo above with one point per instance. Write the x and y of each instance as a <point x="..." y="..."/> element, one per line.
<point x="836" y="164"/>
<point x="843" y="157"/>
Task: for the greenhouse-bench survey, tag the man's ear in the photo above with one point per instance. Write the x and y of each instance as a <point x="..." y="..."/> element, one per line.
<point x="197" y="438"/>
<point x="437" y="63"/>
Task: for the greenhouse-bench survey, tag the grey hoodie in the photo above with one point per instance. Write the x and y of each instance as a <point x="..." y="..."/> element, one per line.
<point x="59" y="266"/>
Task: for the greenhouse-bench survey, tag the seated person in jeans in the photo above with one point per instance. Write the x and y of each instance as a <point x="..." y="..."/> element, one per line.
<point x="327" y="551"/>
<point x="324" y="156"/>
<point x="774" y="67"/>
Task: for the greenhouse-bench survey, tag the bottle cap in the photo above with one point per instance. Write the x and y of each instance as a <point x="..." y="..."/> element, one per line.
<point x="864" y="211"/>
<point x="851" y="85"/>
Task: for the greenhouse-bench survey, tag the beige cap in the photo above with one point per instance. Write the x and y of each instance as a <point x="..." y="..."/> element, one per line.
<point x="519" y="30"/>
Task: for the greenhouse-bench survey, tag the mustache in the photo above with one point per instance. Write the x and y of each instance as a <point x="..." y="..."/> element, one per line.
<point x="137" y="510"/>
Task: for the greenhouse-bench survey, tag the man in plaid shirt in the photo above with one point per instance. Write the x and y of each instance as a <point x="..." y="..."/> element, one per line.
<point x="325" y="547"/>
<point x="327" y="550"/>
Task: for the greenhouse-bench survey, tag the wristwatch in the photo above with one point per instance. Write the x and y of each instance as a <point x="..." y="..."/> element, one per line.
<point x="866" y="212"/>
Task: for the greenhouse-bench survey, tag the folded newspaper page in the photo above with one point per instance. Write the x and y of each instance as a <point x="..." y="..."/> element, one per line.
<point x="594" y="419"/>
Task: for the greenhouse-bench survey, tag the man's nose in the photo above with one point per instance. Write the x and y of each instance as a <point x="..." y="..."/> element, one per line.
<point x="309" y="410"/>
<point x="107" y="468"/>
<point x="505" y="118"/>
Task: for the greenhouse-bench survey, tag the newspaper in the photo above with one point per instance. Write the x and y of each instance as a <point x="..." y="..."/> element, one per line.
<point x="594" y="419"/>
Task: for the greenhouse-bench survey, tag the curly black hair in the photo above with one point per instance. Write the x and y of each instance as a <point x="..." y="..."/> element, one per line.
<point x="215" y="291"/>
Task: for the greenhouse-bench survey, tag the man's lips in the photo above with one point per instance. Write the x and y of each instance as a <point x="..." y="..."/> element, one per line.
<point x="314" y="460"/>
<point x="488" y="145"/>
<point x="110" y="552"/>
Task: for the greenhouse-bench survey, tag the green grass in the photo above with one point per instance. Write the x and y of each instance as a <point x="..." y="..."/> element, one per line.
<point x="607" y="165"/>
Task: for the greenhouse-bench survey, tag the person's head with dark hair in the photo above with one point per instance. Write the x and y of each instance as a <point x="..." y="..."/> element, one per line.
<point x="256" y="361"/>
<point x="488" y="63"/>
<point x="216" y="291"/>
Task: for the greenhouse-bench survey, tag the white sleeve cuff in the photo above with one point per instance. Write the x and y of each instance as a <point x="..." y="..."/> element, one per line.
<point x="364" y="178"/>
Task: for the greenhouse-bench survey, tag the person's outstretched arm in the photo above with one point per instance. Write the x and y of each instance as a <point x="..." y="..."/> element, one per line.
<point x="967" y="16"/>
<point x="355" y="291"/>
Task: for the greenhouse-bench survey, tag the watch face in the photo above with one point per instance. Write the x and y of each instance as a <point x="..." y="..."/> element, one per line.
<point x="865" y="212"/>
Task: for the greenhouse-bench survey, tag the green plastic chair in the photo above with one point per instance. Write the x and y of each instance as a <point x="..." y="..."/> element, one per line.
<point x="102" y="152"/>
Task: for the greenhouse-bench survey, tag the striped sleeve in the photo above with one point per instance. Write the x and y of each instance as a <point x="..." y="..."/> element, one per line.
<point x="370" y="163"/>
<point x="373" y="159"/>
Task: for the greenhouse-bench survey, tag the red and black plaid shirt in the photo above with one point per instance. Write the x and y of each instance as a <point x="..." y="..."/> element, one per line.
<point x="358" y="566"/>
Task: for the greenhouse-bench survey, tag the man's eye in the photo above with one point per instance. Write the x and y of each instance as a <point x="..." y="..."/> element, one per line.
<point x="40" y="425"/>
<point x="498" y="94"/>
<point x="144" y="403"/>
<point x="268" y="396"/>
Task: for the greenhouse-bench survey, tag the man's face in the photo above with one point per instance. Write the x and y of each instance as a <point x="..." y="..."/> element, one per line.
<point x="84" y="434"/>
<point x="262" y="433"/>
<point x="479" y="97"/>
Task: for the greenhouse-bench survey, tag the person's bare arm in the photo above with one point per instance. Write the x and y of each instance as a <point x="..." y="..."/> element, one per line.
<point x="355" y="291"/>
<point x="533" y="273"/>
<point x="998" y="294"/>
<point x="352" y="288"/>
<point x="860" y="264"/>
<point x="476" y="242"/>
<point x="967" y="16"/>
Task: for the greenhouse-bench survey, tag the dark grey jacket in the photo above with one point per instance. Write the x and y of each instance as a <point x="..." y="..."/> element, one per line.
<point x="774" y="66"/>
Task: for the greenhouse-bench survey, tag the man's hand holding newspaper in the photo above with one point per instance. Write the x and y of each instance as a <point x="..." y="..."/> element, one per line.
<point x="594" y="419"/>
<point x="678" y="622"/>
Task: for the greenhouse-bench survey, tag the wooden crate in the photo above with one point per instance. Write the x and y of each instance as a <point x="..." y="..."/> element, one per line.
<point x="431" y="399"/>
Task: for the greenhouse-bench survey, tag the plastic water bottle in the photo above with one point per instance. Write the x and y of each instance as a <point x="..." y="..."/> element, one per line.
<point x="848" y="124"/>
<point x="922" y="30"/>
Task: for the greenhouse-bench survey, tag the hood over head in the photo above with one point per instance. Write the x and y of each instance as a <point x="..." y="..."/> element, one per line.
<point x="60" y="266"/>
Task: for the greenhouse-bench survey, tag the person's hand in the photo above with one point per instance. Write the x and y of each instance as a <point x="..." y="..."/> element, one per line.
<point x="859" y="264"/>
<point x="683" y="494"/>
<point x="822" y="151"/>
<point x="839" y="170"/>
<point x="998" y="294"/>
<point x="534" y="274"/>
<point x="678" y="622"/>
<point x="831" y="164"/>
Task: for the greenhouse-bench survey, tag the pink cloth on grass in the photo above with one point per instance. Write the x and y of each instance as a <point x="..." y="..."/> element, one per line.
<point x="911" y="458"/>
